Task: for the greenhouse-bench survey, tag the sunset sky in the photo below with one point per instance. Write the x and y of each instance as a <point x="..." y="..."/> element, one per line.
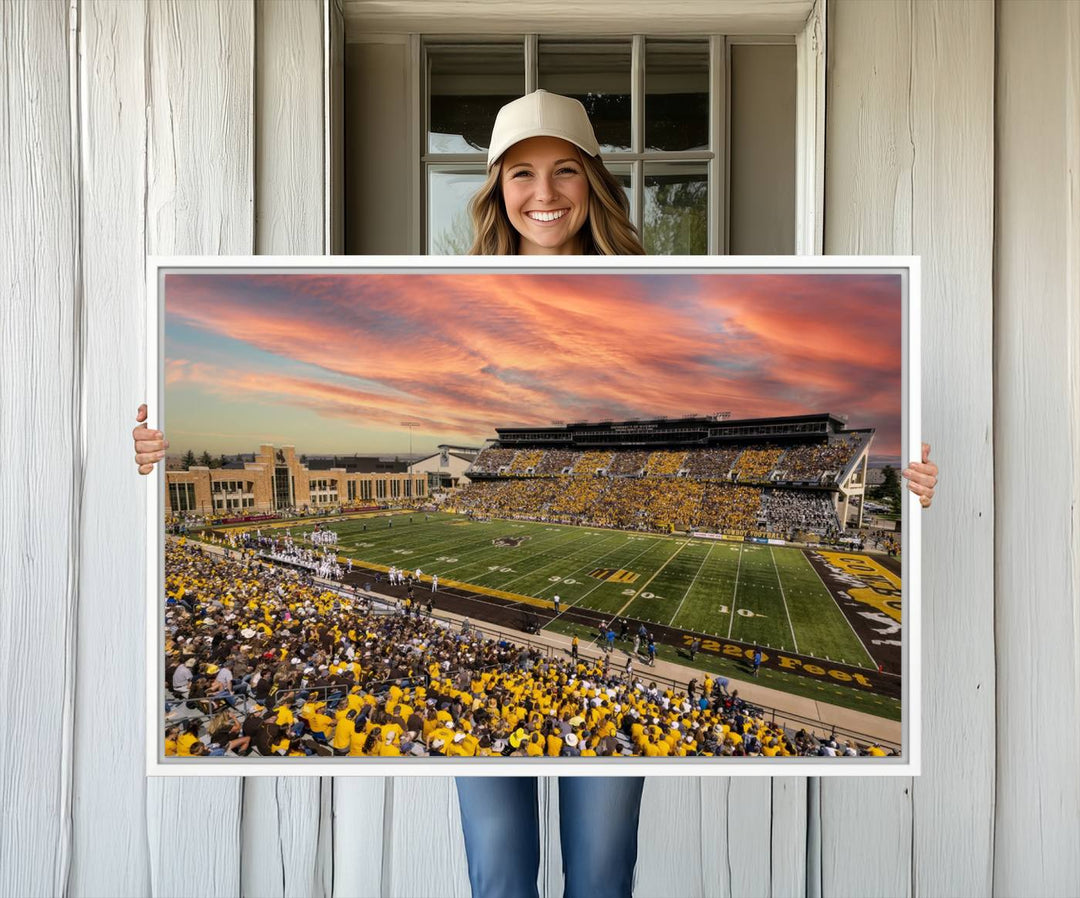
<point x="334" y="363"/>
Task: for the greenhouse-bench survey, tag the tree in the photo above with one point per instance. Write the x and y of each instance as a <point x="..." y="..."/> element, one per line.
<point x="189" y="460"/>
<point x="206" y="460"/>
<point x="889" y="488"/>
<point x="676" y="219"/>
<point x="222" y="461"/>
<point x="456" y="239"/>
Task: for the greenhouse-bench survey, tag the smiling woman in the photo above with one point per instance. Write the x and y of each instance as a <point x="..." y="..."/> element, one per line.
<point x="546" y="195"/>
<point x="547" y="190"/>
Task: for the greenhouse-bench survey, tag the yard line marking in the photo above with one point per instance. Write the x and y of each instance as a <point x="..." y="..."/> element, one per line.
<point x="384" y="540"/>
<point x="561" y="560"/>
<point x="630" y="601"/>
<point x="784" y="598"/>
<point x="692" y="582"/>
<point x="465" y="548"/>
<point x="590" y="564"/>
<point x="483" y="546"/>
<point x="735" y="592"/>
<point x="602" y="582"/>
<point x="828" y="592"/>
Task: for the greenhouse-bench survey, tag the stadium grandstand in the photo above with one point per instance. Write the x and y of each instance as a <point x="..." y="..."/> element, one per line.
<point x="788" y="477"/>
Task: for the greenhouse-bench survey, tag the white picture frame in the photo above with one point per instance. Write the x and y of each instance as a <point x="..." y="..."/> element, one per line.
<point x="907" y="764"/>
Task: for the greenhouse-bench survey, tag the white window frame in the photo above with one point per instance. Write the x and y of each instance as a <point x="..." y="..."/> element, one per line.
<point x="809" y="42"/>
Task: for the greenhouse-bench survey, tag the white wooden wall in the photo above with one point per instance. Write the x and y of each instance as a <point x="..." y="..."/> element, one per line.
<point x="191" y="126"/>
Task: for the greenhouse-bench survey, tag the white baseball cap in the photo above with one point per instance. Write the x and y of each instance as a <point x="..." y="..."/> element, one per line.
<point x="541" y="114"/>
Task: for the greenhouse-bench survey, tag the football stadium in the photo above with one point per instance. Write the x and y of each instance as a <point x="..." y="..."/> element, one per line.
<point x="585" y="589"/>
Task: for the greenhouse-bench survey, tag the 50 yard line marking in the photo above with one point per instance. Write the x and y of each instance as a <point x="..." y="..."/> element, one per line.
<point x="735" y="592"/>
<point x="783" y="598"/>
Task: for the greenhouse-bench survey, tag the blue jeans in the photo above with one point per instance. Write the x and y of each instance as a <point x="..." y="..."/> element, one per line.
<point x="598" y="824"/>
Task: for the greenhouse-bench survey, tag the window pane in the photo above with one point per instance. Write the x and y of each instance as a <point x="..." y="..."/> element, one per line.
<point x="449" y="191"/>
<point x="676" y="209"/>
<point x="623" y="175"/>
<point x="762" y="198"/>
<point x="676" y="95"/>
<point x="467" y="84"/>
<point x="597" y="74"/>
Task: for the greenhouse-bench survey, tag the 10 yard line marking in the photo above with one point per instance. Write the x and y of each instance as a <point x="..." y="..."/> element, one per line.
<point x="735" y="592"/>
<point x="783" y="598"/>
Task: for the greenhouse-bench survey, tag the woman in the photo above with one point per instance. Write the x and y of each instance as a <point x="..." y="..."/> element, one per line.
<point x="547" y="193"/>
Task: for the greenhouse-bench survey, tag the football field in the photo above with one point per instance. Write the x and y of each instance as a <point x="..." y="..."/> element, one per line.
<point x="763" y="594"/>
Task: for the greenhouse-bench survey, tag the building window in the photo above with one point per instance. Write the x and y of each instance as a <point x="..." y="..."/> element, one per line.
<point x="657" y="105"/>
<point x="282" y="491"/>
<point x="352" y="490"/>
<point x="182" y="497"/>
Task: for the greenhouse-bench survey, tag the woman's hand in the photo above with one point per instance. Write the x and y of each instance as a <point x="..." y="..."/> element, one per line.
<point x="150" y="445"/>
<point x="922" y="477"/>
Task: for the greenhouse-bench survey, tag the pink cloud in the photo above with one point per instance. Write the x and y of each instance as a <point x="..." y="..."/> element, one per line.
<point x="463" y="352"/>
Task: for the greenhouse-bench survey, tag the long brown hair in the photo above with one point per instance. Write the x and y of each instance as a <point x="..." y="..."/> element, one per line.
<point x="608" y="230"/>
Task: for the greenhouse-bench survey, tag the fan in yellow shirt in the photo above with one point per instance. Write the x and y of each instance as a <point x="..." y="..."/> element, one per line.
<point x="187" y="739"/>
<point x="388" y="747"/>
<point x="554" y="745"/>
<point x="456" y="747"/>
<point x="343" y="733"/>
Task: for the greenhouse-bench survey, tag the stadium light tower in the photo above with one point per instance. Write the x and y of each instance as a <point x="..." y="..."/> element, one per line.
<point x="412" y="425"/>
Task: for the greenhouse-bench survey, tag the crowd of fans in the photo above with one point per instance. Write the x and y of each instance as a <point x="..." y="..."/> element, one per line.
<point x="884" y="540"/>
<point x="753" y="464"/>
<point x="556" y="461"/>
<point x="790" y="511"/>
<point x="664" y="464"/>
<point x="730" y="509"/>
<point x="260" y="662"/>
<point x="592" y="462"/>
<point x="819" y="460"/>
<point x="629" y="462"/>
<point x="651" y="504"/>
<point x="526" y="460"/>
<point x="710" y="464"/>
<point x="490" y="460"/>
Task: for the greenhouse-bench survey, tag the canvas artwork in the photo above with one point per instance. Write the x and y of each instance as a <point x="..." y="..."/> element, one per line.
<point x="595" y="516"/>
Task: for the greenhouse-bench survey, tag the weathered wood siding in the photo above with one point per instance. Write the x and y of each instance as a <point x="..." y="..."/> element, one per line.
<point x="1037" y="449"/>
<point x="953" y="132"/>
<point x="909" y="169"/>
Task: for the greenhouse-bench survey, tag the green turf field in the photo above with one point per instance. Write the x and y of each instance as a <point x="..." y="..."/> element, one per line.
<point x="765" y="594"/>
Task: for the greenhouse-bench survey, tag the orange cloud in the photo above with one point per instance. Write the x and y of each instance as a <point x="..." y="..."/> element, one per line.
<point x="465" y="352"/>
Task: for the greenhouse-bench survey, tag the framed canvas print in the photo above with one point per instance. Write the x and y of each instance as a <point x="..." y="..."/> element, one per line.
<point x="479" y="515"/>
